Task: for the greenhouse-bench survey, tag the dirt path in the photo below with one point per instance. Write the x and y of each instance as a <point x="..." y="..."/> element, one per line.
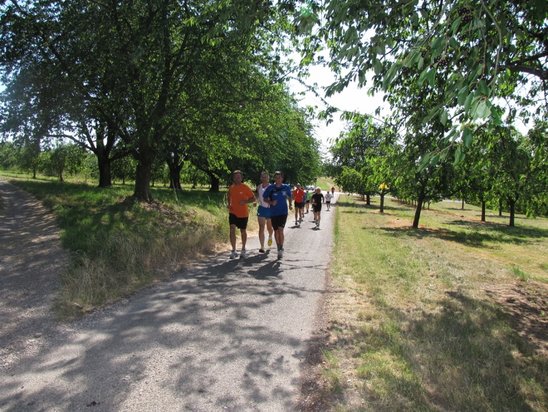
<point x="31" y="259"/>
<point x="223" y="335"/>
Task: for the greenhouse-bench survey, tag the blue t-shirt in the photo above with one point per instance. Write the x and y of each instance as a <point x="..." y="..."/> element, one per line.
<point x="281" y="194"/>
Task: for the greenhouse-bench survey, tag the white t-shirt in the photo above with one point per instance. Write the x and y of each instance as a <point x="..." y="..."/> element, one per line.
<point x="328" y="197"/>
<point x="260" y="191"/>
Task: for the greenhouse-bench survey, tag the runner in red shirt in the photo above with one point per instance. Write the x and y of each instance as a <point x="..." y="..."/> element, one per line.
<point x="299" y="198"/>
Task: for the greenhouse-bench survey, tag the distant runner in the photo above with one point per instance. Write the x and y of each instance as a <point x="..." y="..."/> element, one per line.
<point x="299" y="198"/>
<point x="328" y="197"/>
<point x="317" y="200"/>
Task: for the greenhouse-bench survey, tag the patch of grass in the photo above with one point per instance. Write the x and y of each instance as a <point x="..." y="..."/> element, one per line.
<point x="325" y="183"/>
<point x="520" y="274"/>
<point x="117" y="245"/>
<point x="422" y="325"/>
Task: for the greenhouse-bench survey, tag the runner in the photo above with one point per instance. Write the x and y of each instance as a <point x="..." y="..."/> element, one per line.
<point x="328" y="197"/>
<point x="263" y="212"/>
<point x="299" y="198"/>
<point x="317" y="199"/>
<point x="308" y="195"/>
<point x="278" y="195"/>
<point x="238" y="196"/>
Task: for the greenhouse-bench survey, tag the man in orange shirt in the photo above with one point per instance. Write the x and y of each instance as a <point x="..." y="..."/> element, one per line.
<point x="239" y="195"/>
<point x="299" y="198"/>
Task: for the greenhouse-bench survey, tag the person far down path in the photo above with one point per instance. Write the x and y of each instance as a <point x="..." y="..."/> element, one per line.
<point x="278" y="195"/>
<point x="238" y="196"/>
<point x="317" y="200"/>
<point x="299" y="198"/>
<point x="263" y="212"/>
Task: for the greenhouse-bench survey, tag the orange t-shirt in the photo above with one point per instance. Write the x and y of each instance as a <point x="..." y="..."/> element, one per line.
<point x="237" y="193"/>
<point x="298" y="195"/>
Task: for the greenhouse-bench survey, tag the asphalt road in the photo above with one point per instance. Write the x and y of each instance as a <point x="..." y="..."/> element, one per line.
<point x="223" y="335"/>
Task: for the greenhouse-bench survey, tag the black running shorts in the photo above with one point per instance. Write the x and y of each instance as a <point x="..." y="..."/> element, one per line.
<point x="278" y="221"/>
<point x="239" y="222"/>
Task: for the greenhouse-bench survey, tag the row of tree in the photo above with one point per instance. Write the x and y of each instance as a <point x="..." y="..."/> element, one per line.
<point x="500" y="166"/>
<point x="160" y="81"/>
<point x="456" y="75"/>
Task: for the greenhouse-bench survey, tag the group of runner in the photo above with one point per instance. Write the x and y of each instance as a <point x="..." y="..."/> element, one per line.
<point x="274" y="202"/>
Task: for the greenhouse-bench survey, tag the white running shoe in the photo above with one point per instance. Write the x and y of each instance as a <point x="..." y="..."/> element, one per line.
<point x="233" y="255"/>
<point x="280" y="253"/>
<point x="243" y="254"/>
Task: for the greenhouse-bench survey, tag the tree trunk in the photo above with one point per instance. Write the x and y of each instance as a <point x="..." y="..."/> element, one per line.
<point x="483" y="210"/>
<point x="368" y="199"/>
<point x="420" y="201"/>
<point x="175" y="168"/>
<point x="500" y="207"/>
<point x="382" y="202"/>
<point x="103" y="162"/>
<point x="512" y="205"/>
<point x="214" y="182"/>
<point x="143" y="176"/>
<point x="462" y="204"/>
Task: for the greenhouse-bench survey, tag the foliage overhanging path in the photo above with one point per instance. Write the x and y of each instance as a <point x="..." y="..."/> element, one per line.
<point x="31" y="259"/>
<point x="224" y="334"/>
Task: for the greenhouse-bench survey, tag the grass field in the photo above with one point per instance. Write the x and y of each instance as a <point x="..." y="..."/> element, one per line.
<point x="451" y="316"/>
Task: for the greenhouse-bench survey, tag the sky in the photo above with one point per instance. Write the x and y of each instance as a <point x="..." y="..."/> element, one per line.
<point x="350" y="99"/>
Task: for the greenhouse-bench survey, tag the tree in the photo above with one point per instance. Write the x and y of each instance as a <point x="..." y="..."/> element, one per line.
<point x="519" y="173"/>
<point x="132" y="66"/>
<point x="482" y="50"/>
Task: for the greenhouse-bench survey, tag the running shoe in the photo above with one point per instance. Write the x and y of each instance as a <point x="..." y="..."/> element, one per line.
<point x="262" y="250"/>
<point x="269" y="241"/>
<point x="243" y="254"/>
<point x="280" y="253"/>
<point x="233" y="255"/>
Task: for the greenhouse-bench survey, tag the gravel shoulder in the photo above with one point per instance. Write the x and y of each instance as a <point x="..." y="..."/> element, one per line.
<point x="31" y="259"/>
<point x="222" y="335"/>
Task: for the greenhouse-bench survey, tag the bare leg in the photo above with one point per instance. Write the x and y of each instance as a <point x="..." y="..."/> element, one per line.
<point x="233" y="236"/>
<point x="269" y="227"/>
<point x="243" y="233"/>
<point x="261" y="230"/>
<point x="279" y="236"/>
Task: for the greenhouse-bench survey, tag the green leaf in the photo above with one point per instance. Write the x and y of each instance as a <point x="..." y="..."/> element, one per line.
<point x="456" y="24"/>
<point x="390" y="75"/>
<point x="459" y="156"/>
<point x="463" y="95"/>
<point x="443" y="117"/>
<point x="423" y="76"/>
<point x="467" y="136"/>
<point x="421" y="63"/>
<point x="468" y="102"/>
<point x="480" y="109"/>
<point x="377" y="66"/>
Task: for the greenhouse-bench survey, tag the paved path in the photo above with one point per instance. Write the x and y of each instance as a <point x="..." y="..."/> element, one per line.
<point x="223" y="335"/>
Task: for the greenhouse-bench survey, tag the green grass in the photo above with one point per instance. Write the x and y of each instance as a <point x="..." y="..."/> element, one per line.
<point x="117" y="245"/>
<point x="431" y="319"/>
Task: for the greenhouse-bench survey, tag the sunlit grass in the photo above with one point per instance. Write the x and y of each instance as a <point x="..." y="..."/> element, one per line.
<point x="420" y="325"/>
<point x="118" y="245"/>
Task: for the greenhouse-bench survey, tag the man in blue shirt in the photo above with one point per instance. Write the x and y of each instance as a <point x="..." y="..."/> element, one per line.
<point x="278" y="195"/>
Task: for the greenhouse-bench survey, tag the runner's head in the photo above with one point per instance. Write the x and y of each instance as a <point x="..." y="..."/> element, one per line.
<point x="264" y="177"/>
<point x="237" y="176"/>
<point x="278" y="176"/>
<point x="318" y="190"/>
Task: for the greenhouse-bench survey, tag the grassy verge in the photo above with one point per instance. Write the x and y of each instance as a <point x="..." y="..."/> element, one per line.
<point x="118" y="246"/>
<point x="447" y="317"/>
